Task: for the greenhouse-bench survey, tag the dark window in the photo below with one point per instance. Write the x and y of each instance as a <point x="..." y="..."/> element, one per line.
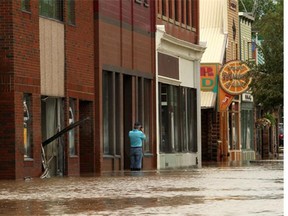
<point x="117" y="114"/>
<point x="164" y="7"/>
<point x="182" y="11"/>
<point x="247" y="129"/>
<point x="25" y="5"/>
<point x="188" y="12"/>
<point x="193" y="12"/>
<point x="176" y="8"/>
<point x="108" y="114"/>
<point x="144" y="108"/>
<point x="111" y="113"/>
<point x="178" y="119"/>
<point x="52" y="9"/>
<point x="170" y="9"/>
<point x="71" y="12"/>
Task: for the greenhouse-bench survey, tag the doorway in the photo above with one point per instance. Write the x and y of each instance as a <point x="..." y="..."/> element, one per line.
<point x="86" y="143"/>
<point x="51" y="123"/>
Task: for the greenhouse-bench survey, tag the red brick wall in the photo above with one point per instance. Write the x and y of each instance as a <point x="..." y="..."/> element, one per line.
<point x="6" y="43"/>
<point x="79" y="71"/>
<point x="124" y="39"/>
<point x="7" y="123"/>
<point x="179" y="30"/>
<point x="20" y="72"/>
<point x="79" y="52"/>
<point x="27" y="80"/>
<point x="125" y="32"/>
<point x="7" y="137"/>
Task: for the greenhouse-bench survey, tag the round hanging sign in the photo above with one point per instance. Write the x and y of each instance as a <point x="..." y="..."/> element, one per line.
<point x="234" y="77"/>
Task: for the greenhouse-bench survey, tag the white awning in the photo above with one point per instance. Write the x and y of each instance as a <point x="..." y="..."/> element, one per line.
<point x="208" y="99"/>
<point x="213" y="29"/>
<point x="216" y="45"/>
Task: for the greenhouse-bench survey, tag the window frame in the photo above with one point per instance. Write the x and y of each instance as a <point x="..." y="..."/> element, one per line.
<point x="177" y="111"/>
<point x="26" y="5"/>
<point x="27" y="126"/>
<point x="72" y="134"/>
<point x="56" y="10"/>
<point x="71" y="12"/>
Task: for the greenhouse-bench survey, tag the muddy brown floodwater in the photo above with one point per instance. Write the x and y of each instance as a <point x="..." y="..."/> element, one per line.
<point x="248" y="190"/>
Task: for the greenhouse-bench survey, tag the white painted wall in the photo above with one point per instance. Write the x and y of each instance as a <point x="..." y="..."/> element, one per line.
<point x="189" y="56"/>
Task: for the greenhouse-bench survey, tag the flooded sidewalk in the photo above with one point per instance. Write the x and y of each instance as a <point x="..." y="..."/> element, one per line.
<point x="253" y="189"/>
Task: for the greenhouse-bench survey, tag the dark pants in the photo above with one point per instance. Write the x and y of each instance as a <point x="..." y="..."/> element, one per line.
<point x="136" y="158"/>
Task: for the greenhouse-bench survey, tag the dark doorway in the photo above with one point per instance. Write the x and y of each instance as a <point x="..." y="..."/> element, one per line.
<point x="86" y="144"/>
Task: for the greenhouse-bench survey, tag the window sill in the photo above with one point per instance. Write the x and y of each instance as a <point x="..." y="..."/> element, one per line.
<point x="28" y="159"/>
<point x="52" y="19"/>
<point x="71" y="24"/>
<point x="26" y="11"/>
<point x="111" y="156"/>
<point x="148" y="155"/>
<point x="165" y="18"/>
<point x="73" y="156"/>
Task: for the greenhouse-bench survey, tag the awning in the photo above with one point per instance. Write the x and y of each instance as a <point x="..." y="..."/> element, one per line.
<point x="208" y="99"/>
<point x="216" y="45"/>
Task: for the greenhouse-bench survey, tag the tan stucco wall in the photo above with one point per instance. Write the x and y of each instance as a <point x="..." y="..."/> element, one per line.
<point x="51" y="57"/>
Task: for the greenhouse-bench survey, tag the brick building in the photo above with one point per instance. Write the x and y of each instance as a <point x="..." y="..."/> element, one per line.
<point x="62" y="61"/>
<point x="124" y="80"/>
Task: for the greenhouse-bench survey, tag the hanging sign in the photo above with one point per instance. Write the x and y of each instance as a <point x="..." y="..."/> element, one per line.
<point x="234" y="80"/>
<point x="234" y="77"/>
<point x="224" y="100"/>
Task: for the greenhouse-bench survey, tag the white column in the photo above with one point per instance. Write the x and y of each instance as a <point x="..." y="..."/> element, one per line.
<point x="197" y="85"/>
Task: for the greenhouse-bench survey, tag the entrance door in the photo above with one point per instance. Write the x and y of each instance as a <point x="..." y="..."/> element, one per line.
<point x="86" y="143"/>
<point x="51" y="123"/>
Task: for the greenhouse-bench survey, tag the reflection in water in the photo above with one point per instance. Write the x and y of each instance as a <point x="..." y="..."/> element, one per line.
<point x="212" y="190"/>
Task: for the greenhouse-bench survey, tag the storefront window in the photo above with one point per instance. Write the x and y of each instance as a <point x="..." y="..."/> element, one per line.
<point x="234" y="126"/>
<point x="247" y="124"/>
<point x="178" y="119"/>
<point x="145" y="110"/>
<point x="27" y="126"/>
<point x="108" y="113"/>
<point x="72" y="145"/>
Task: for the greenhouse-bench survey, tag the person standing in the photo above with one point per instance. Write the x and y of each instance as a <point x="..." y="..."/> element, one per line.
<point x="136" y="140"/>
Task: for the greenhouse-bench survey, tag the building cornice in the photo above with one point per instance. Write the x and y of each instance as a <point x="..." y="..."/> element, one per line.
<point x="177" y="47"/>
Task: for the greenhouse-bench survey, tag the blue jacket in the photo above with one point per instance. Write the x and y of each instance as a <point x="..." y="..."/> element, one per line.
<point x="136" y="138"/>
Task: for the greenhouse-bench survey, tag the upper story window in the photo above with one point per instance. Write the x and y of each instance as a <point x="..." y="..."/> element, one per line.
<point x="71" y="12"/>
<point x="164" y="8"/>
<point x="52" y="9"/>
<point x="176" y="8"/>
<point x="182" y="11"/>
<point x="25" y="5"/>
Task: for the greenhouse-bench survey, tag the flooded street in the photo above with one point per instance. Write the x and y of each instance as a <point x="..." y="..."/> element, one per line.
<point x="254" y="189"/>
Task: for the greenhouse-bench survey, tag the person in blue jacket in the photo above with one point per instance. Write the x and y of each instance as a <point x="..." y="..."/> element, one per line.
<point x="136" y="141"/>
